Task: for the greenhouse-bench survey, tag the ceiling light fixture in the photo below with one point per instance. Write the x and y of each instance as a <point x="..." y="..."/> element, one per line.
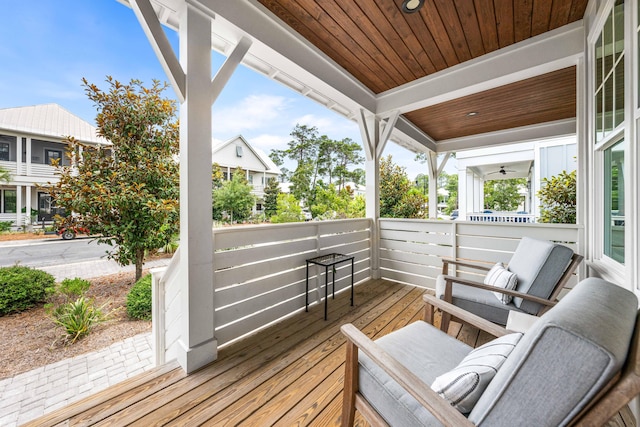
<point x="411" y="6"/>
<point x="472" y="113"/>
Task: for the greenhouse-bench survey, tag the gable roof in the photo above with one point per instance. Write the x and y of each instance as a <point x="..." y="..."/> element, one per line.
<point x="261" y="155"/>
<point x="49" y="120"/>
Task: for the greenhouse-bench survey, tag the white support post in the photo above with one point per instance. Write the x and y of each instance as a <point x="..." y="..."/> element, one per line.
<point x="197" y="335"/>
<point x="432" y="161"/>
<point x="28" y="224"/>
<point x="19" y="221"/>
<point x="375" y="134"/>
<point x="28" y="171"/>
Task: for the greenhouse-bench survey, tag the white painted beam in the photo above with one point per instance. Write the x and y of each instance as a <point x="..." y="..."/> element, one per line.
<point x="510" y="136"/>
<point x="161" y="46"/>
<point x="230" y="64"/>
<point x="547" y="52"/>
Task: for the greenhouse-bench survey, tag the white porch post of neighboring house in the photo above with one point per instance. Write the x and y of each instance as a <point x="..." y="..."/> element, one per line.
<point x="27" y="211"/>
<point x="28" y="159"/>
<point x="19" y="221"/>
<point x="375" y="134"/>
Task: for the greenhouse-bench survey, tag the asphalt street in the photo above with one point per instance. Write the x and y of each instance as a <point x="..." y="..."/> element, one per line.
<point x="47" y="252"/>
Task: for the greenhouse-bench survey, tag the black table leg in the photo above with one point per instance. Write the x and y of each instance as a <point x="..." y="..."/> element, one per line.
<point x="326" y="290"/>
<point x="306" y="291"/>
<point x="351" y="282"/>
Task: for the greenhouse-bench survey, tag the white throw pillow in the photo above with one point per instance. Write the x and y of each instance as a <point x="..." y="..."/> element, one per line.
<point x="463" y="385"/>
<point x="500" y="277"/>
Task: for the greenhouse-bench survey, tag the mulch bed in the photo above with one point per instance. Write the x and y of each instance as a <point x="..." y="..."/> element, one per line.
<point x="30" y="339"/>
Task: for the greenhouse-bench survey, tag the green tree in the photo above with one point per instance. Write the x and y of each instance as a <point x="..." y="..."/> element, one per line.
<point x="452" y="187"/>
<point x="217" y="180"/>
<point x="4" y="175"/>
<point x="503" y="194"/>
<point x="412" y="205"/>
<point x="396" y="198"/>
<point x="558" y="199"/>
<point x="271" y="192"/>
<point x="318" y="159"/>
<point x="234" y="197"/>
<point x="126" y="192"/>
<point x="289" y="209"/>
<point x="357" y="207"/>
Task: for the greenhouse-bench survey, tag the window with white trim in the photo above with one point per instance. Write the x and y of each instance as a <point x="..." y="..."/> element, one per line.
<point x="8" y="201"/>
<point x="609" y="120"/>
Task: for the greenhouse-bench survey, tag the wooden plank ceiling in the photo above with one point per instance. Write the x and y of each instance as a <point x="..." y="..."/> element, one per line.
<point x="385" y="48"/>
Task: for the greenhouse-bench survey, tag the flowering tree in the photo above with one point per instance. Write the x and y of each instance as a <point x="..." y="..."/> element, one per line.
<point x="126" y="192"/>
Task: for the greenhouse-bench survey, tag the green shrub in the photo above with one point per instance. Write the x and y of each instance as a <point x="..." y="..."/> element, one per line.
<point x="78" y="317"/>
<point x="139" y="299"/>
<point x="23" y="287"/>
<point x="5" y="226"/>
<point x="74" y="288"/>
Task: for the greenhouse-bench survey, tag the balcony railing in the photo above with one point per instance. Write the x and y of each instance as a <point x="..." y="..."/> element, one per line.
<point x="411" y="251"/>
<point x="501" y="217"/>
<point x="260" y="274"/>
<point x="260" y="270"/>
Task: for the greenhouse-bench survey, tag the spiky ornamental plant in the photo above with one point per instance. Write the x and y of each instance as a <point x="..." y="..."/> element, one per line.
<point x="128" y="192"/>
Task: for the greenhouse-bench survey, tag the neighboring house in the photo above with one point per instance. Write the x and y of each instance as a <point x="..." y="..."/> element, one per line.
<point x="30" y="139"/>
<point x="533" y="160"/>
<point x="237" y="152"/>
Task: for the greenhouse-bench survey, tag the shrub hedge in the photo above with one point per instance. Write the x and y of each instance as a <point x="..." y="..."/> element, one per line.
<point x="139" y="299"/>
<point x="23" y="287"/>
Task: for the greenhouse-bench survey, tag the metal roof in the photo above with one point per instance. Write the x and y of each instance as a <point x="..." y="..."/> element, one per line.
<point x="48" y="121"/>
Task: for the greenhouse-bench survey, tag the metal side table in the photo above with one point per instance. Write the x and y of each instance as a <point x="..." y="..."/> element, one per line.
<point x="326" y="261"/>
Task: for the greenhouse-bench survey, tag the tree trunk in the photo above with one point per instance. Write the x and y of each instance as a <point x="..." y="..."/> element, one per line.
<point x="139" y="263"/>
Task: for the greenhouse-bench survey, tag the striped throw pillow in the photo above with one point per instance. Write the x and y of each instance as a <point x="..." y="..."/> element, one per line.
<point x="463" y="385"/>
<point x="500" y="277"/>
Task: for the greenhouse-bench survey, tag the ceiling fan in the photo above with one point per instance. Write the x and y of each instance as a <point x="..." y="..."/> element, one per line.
<point x="502" y="171"/>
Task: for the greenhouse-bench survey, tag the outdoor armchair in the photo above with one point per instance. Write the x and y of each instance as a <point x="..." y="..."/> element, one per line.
<point x="540" y="268"/>
<point x="577" y="364"/>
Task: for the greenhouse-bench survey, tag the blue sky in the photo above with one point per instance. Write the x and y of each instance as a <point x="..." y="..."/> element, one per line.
<point x="47" y="47"/>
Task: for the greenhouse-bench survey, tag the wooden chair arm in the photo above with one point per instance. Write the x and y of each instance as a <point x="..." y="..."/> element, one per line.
<point x="447" y="261"/>
<point x="465" y="316"/>
<point x="422" y="392"/>
<point x="450" y="279"/>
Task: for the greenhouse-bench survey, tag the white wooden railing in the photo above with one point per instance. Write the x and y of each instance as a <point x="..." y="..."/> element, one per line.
<point x="260" y="270"/>
<point x="259" y="276"/>
<point x="501" y="217"/>
<point x="11" y="167"/>
<point x="411" y="251"/>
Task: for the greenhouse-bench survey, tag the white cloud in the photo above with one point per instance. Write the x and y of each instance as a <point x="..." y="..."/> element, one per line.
<point x="268" y="142"/>
<point x="252" y="112"/>
<point x="312" y="120"/>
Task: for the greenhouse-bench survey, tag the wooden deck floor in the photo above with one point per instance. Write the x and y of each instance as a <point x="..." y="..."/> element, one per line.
<point x="290" y="374"/>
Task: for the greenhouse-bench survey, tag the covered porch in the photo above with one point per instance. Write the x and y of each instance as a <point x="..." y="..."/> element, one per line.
<point x="373" y="64"/>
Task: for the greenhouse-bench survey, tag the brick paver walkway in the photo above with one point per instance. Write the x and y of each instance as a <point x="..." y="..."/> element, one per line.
<point x="32" y="394"/>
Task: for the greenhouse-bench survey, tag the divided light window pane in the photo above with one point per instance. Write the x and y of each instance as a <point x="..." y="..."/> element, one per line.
<point x="614" y="199"/>
<point x="609" y="74"/>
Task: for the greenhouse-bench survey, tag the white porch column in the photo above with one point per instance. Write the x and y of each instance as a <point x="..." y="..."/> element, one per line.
<point x="19" y="156"/>
<point x="19" y="221"/>
<point x="27" y="196"/>
<point x="28" y="159"/>
<point x="375" y="134"/>
<point x="191" y="80"/>
<point x="463" y="190"/>
<point x="197" y="338"/>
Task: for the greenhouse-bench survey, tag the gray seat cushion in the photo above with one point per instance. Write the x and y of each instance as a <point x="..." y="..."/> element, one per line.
<point x="477" y="301"/>
<point x="539" y="264"/>
<point x="425" y="351"/>
<point x="567" y="356"/>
